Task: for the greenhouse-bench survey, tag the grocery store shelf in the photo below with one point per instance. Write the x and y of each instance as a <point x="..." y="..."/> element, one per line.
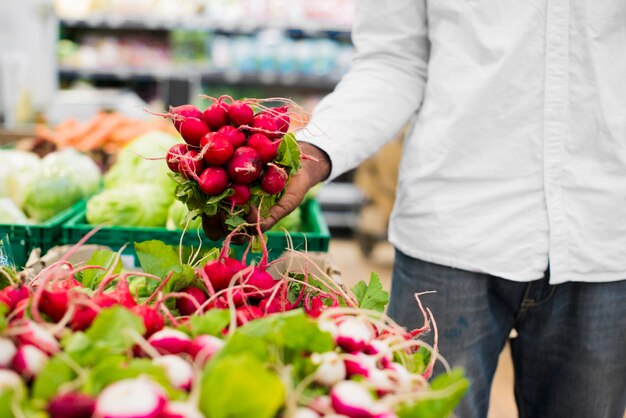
<point x="209" y="76"/>
<point x="205" y="23"/>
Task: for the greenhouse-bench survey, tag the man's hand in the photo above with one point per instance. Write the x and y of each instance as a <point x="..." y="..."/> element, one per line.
<point x="315" y="168"/>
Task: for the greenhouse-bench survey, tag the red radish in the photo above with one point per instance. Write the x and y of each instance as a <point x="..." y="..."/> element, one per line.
<point x="7" y="352"/>
<point x="192" y="130"/>
<point x="403" y="379"/>
<point x="186" y="306"/>
<point x="330" y="368"/>
<point x="381" y="380"/>
<point x="213" y="181"/>
<point x="131" y="398"/>
<point x="236" y="137"/>
<point x="241" y="196"/>
<point x="274" y="179"/>
<point x="352" y="400"/>
<point x="360" y="364"/>
<point x="266" y="148"/>
<point x="245" y="165"/>
<point x="282" y="118"/>
<point x="174" y="156"/>
<point x="170" y="341"/>
<point x="11" y="296"/>
<point x="180" y="113"/>
<point x="29" y="360"/>
<point x="32" y="333"/>
<point x="152" y="319"/>
<point x="181" y="410"/>
<point x="122" y="294"/>
<point x="240" y="113"/>
<point x="216" y="147"/>
<point x="354" y="334"/>
<point x="85" y="314"/>
<point x="276" y="305"/>
<point x="237" y="296"/>
<point x="71" y="405"/>
<point x="247" y="313"/>
<point x="221" y="271"/>
<point x="303" y="412"/>
<point x="260" y="279"/>
<point x="191" y="165"/>
<point x="54" y="301"/>
<point x="216" y="115"/>
<point x="381" y="350"/>
<point x="10" y="380"/>
<point x="178" y="371"/>
<point x="265" y="124"/>
<point x="203" y="347"/>
<point x="314" y="306"/>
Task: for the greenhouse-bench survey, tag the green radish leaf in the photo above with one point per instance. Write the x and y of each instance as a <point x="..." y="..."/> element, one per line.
<point x="240" y="386"/>
<point x="234" y="221"/>
<point x="105" y="259"/>
<point x="289" y="154"/>
<point x="446" y="391"/>
<point x="212" y="322"/>
<point x="119" y="367"/>
<point x="53" y="374"/>
<point x="113" y="329"/>
<point x="4" y="309"/>
<point x="372" y="296"/>
<point x="157" y="258"/>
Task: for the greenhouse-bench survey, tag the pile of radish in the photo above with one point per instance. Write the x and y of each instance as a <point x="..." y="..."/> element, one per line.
<point x="211" y="337"/>
<point x="237" y="154"/>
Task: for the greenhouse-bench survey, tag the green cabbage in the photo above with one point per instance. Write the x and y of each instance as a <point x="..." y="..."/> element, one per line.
<point x="176" y="217"/>
<point x="132" y="205"/>
<point x="80" y="168"/>
<point x="17" y="170"/>
<point x="50" y="194"/>
<point x="64" y="178"/>
<point x="10" y="213"/>
<point x="142" y="162"/>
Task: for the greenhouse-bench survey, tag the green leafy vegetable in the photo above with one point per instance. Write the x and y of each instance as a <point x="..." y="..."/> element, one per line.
<point x="54" y="373"/>
<point x="211" y="322"/>
<point x="371" y="296"/>
<point x="105" y="259"/>
<point x="240" y="386"/>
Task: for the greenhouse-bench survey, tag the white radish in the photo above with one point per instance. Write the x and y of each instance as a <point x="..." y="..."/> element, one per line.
<point x="178" y="371"/>
<point x="203" y="347"/>
<point x="34" y="334"/>
<point x="381" y="350"/>
<point x="330" y="368"/>
<point x="354" y="334"/>
<point x="303" y="412"/>
<point x="401" y="377"/>
<point x="7" y="352"/>
<point x="131" y="398"/>
<point x="29" y="360"/>
<point x="9" y="380"/>
<point x="322" y="405"/>
<point x="181" y="410"/>
<point x="352" y="399"/>
<point x="170" y="341"/>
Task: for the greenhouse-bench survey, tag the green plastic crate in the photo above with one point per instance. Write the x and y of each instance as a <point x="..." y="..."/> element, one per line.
<point x="315" y="237"/>
<point x="25" y="238"/>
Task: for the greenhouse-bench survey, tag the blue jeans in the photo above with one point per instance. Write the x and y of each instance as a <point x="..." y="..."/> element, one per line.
<point x="570" y="353"/>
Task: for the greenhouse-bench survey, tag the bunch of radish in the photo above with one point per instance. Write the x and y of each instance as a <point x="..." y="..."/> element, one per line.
<point x="49" y="325"/>
<point x="237" y="154"/>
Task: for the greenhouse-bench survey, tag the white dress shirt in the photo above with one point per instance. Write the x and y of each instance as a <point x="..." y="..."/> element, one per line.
<point x="517" y="154"/>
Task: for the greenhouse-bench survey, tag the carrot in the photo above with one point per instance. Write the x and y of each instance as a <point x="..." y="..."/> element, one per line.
<point x="96" y="137"/>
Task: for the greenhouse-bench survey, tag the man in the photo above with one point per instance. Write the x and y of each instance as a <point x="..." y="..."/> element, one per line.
<point x="511" y="200"/>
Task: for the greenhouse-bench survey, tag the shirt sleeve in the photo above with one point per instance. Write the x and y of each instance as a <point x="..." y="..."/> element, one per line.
<point x="383" y="88"/>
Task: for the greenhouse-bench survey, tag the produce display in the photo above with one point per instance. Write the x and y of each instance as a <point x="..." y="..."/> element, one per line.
<point x="32" y="190"/>
<point x="208" y="336"/>
<point x="238" y="155"/>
